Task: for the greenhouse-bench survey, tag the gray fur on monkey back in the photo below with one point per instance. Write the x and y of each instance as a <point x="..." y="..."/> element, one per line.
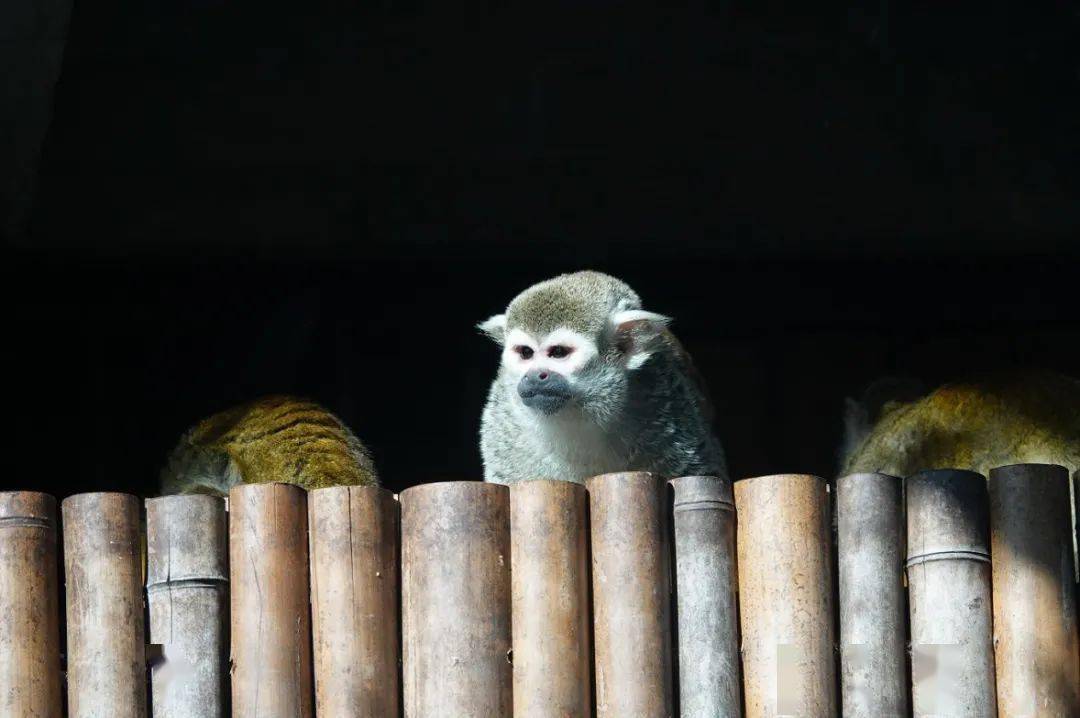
<point x="654" y="418"/>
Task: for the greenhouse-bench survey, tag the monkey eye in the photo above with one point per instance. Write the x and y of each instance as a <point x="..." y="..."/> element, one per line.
<point x="559" y="351"/>
<point x="523" y="351"/>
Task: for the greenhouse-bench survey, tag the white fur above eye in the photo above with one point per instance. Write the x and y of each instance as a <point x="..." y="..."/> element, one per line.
<point x="582" y="349"/>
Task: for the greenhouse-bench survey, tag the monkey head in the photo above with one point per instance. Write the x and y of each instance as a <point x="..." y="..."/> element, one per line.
<point x="573" y="343"/>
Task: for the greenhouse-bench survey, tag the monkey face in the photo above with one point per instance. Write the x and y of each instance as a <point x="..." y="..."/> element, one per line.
<point x="548" y="371"/>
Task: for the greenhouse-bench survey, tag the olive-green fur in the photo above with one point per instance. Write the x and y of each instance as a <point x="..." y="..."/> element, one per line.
<point x="274" y="439"/>
<point x="581" y="301"/>
<point x="1031" y="417"/>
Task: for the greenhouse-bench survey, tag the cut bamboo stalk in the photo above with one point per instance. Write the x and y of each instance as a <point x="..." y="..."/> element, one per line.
<point x="706" y="587"/>
<point x="268" y="578"/>
<point x="873" y="611"/>
<point x="1035" y="634"/>
<point x="785" y="596"/>
<point x="631" y="572"/>
<point x="550" y="599"/>
<point x="354" y="601"/>
<point x="29" y="610"/>
<point x="106" y="639"/>
<point x="455" y="598"/>
<point x="187" y="589"/>
<point x="948" y="570"/>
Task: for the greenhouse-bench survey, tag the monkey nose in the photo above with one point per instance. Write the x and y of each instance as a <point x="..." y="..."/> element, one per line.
<point x="542" y="375"/>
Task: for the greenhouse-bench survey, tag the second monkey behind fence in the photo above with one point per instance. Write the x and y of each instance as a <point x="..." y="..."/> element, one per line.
<point x="590" y="383"/>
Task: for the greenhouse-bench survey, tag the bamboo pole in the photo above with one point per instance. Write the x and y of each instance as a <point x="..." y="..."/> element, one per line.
<point x="873" y="610"/>
<point x="187" y="591"/>
<point x="785" y="593"/>
<point x="354" y="601"/>
<point x="706" y="582"/>
<point x="1035" y="635"/>
<point x="550" y="599"/>
<point x="455" y="600"/>
<point x="631" y="595"/>
<point x="948" y="570"/>
<point x="29" y="612"/>
<point x="268" y="578"/>
<point x="106" y="641"/>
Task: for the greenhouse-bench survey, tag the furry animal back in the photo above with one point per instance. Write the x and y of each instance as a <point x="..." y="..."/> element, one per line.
<point x="1029" y="417"/>
<point x="274" y="439"/>
<point x="590" y="383"/>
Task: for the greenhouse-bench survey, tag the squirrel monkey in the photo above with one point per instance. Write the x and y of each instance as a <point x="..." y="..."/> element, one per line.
<point x="590" y="383"/>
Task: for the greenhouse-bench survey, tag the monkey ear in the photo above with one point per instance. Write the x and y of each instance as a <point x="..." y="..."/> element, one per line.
<point x="639" y="334"/>
<point x="494" y="327"/>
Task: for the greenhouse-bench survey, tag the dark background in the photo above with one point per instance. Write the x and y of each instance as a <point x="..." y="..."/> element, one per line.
<point x="207" y="201"/>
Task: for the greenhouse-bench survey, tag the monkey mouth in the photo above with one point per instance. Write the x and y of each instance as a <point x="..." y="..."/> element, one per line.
<point x="545" y="402"/>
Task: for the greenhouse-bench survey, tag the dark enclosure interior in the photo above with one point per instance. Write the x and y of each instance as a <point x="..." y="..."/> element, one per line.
<point x="207" y="201"/>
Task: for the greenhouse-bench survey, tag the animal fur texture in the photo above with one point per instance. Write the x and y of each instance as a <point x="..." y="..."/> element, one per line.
<point x="635" y="400"/>
<point x="274" y="439"/>
<point x="996" y="420"/>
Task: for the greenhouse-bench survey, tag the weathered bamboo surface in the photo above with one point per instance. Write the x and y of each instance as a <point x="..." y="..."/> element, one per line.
<point x="631" y="578"/>
<point x="106" y="639"/>
<point x="268" y="577"/>
<point x="948" y="569"/>
<point x="29" y="611"/>
<point x="455" y="599"/>
<point x="354" y="601"/>
<point x="785" y="593"/>
<point x="873" y="606"/>
<point x="1035" y="631"/>
<point x="187" y="589"/>
<point x="552" y="632"/>
<point x="706" y="587"/>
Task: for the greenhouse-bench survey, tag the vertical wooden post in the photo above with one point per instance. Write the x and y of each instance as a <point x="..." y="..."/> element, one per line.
<point x="455" y="600"/>
<point x="785" y="592"/>
<point x="873" y="611"/>
<point x="268" y="578"/>
<point x="106" y="639"/>
<point x="631" y="575"/>
<point x="1034" y="604"/>
<point x="29" y="606"/>
<point x="552" y="633"/>
<point x="706" y="582"/>
<point x="948" y="569"/>
<point x="187" y="590"/>
<point x="354" y="601"/>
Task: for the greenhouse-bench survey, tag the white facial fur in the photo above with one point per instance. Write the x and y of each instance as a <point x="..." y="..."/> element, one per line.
<point x="582" y="349"/>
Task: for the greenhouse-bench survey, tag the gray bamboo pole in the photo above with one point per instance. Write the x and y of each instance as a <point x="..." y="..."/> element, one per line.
<point x="550" y="599"/>
<point x="631" y="579"/>
<point x="948" y="570"/>
<point x="354" y="601"/>
<point x="455" y="600"/>
<point x="29" y="598"/>
<point x="873" y="614"/>
<point x="706" y="581"/>
<point x="106" y="639"/>
<point x="187" y="590"/>
<point x="268" y="581"/>
<point x="785" y="596"/>
<point x="1035" y="635"/>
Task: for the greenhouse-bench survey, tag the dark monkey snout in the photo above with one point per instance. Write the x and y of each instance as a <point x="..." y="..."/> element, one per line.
<point x="544" y="390"/>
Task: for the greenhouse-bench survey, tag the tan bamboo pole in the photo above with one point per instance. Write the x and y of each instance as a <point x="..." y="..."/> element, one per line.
<point x="948" y="570"/>
<point x="706" y="582"/>
<point x="106" y="639"/>
<point x="354" y="601"/>
<point x="552" y="633"/>
<point x="1035" y="636"/>
<point x="455" y="600"/>
<point x="631" y="578"/>
<point x="29" y="600"/>
<point x="873" y="610"/>
<point x="785" y="596"/>
<point x="187" y="589"/>
<point x="268" y="581"/>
